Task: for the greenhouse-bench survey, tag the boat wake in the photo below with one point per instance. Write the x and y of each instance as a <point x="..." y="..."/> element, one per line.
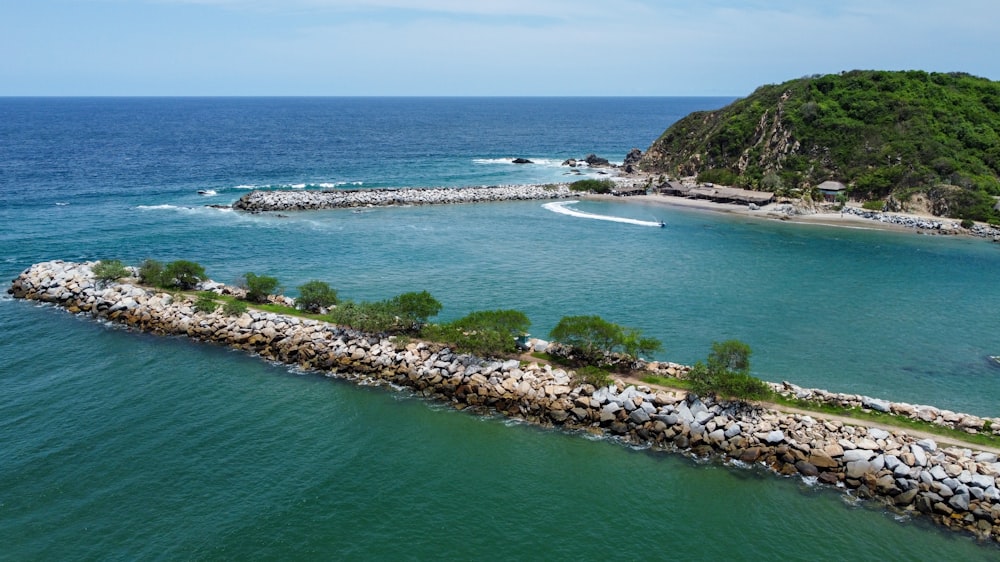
<point x="562" y="207"/>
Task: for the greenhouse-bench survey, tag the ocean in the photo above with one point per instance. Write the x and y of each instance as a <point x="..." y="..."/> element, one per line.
<point x="122" y="446"/>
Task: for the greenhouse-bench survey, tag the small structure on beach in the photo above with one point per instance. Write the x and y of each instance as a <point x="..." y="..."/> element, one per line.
<point x="675" y="188"/>
<point x="716" y="193"/>
<point x="731" y="195"/>
<point x="831" y="190"/>
<point x="628" y="190"/>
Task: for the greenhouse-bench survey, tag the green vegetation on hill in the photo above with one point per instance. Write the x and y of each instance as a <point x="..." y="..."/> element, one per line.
<point x="880" y="133"/>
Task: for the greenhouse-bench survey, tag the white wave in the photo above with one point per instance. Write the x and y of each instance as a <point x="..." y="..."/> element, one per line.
<point x="61" y="203"/>
<point x="162" y="208"/>
<point x="298" y="186"/>
<point x="562" y="208"/>
<point x="244" y="186"/>
<point x="510" y="160"/>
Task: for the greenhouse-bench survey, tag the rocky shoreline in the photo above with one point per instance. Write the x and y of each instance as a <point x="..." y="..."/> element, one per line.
<point x="262" y="201"/>
<point x="954" y="486"/>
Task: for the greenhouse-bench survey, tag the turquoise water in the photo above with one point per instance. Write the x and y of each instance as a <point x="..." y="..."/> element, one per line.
<point x="126" y="446"/>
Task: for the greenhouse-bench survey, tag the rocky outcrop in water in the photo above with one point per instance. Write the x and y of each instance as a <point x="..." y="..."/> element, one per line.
<point x="955" y="486"/>
<point x="259" y="201"/>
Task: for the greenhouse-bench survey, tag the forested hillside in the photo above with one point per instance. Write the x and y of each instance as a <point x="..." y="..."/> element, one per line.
<point x="883" y="134"/>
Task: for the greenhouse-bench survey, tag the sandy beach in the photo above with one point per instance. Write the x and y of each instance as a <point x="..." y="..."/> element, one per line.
<point x="774" y="211"/>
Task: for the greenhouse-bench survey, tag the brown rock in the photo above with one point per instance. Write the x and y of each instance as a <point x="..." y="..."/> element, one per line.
<point x="821" y="459"/>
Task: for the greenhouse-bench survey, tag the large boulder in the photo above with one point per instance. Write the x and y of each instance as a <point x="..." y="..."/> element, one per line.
<point x="633" y="157"/>
<point x="595" y="161"/>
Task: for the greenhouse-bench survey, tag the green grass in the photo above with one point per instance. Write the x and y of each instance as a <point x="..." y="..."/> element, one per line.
<point x="671" y="382"/>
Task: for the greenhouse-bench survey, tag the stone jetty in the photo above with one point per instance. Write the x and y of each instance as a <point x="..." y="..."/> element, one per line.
<point x="299" y="200"/>
<point x="954" y="486"/>
<point x="942" y="226"/>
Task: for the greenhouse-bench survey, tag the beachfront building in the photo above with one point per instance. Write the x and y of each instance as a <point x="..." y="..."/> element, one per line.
<point x="831" y="190"/>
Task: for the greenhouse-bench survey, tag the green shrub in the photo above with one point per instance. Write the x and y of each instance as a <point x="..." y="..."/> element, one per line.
<point x="183" y="274"/>
<point x="234" y="308"/>
<point x="597" y="186"/>
<point x="374" y="317"/>
<point x="594" y="339"/>
<point x="728" y="373"/>
<point x="206" y="303"/>
<point x="315" y="295"/>
<point x="110" y="270"/>
<point x="874" y="205"/>
<point x="151" y="273"/>
<point x="968" y="223"/>
<point x="488" y="333"/>
<point x="259" y="286"/>
<point x="406" y="313"/>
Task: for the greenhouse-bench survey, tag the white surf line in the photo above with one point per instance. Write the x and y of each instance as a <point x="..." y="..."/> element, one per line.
<point x="561" y="208"/>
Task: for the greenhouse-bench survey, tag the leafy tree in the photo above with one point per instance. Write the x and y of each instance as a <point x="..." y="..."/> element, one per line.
<point x="414" y="307"/>
<point x="183" y="274"/>
<point x="151" y="273"/>
<point x="259" y="286"/>
<point x="594" y="340"/>
<point x="728" y="373"/>
<point x="110" y="270"/>
<point x="315" y="295"/>
<point x="634" y="344"/>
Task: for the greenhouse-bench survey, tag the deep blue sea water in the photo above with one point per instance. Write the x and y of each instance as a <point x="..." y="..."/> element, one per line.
<point x="117" y="445"/>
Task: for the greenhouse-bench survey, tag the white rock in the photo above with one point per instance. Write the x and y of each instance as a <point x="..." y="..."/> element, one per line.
<point x="877" y="433"/>
<point x="855" y="455"/>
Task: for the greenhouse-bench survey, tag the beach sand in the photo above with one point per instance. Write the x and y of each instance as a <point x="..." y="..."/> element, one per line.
<point x="771" y="212"/>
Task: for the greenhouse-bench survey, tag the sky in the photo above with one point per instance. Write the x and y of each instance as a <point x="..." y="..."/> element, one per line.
<point x="476" y="47"/>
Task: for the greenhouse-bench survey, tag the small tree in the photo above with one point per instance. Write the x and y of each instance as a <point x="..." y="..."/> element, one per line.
<point x="414" y="308"/>
<point x="110" y="270"/>
<point x="151" y="273"/>
<point x="315" y="295"/>
<point x="259" y="286"/>
<point x="594" y="339"/>
<point x="728" y="373"/>
<point x="183" y="274"/>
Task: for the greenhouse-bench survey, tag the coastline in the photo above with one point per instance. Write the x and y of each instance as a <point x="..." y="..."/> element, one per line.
<point x="851" y="216"/>
<point x="778" y="212"/>
<point x="952" y="485"/>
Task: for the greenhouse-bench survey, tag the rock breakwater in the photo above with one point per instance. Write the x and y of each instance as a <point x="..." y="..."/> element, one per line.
<point x="956" y="487"/>
<point x="260" y="201"/>
<point x="943" y="226"/>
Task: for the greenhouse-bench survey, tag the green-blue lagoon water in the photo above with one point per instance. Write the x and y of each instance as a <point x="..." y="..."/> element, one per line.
<point x="118" y="445"/>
